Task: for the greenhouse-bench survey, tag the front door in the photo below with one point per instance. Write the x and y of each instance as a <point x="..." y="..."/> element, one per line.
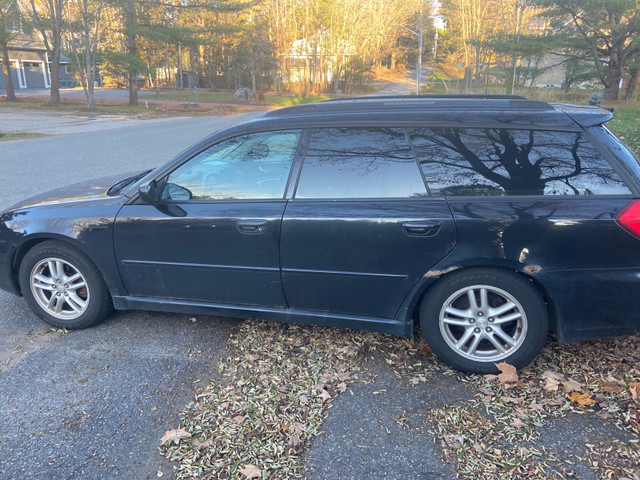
<point x="215" y="235"/>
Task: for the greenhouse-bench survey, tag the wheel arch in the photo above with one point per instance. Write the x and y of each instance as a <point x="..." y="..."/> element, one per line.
<point x="431" y="278"/>
<point x="31" y="241"/>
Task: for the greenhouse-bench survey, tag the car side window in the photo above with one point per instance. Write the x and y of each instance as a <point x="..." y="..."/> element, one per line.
<point x="252" y="166"/>
<point x="457" y="161"/>
<point x="359" y="163"/>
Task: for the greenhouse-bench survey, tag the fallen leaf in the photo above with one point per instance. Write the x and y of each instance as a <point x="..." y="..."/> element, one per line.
<point x="508" y="373"/>
<point x="610" y="387"/>
<point x="251" y="358"/>
<point x="204" y="444"/>
<point x="518" y="423"/>
<point x="294" y="441"/>
<point x="571" y="386"/>
<point x="426" y="350"/>
<point x="552" y="381"/>
<point x="551" y="385"/>
<point x="551" y="374"/>
<point x="324" y="395"/>
<point x="514" y="400"/>
<point x="238" y="419"/>
<point x="299" y="427"/>
<point x="634" y="389"/>
<point x="478" y="448"/>
<point x="582" y="399"/>
<point x="634" y="418"/>
<point x="251" y="471"/>
<point x="174" y="436"/>
<point x="303" y="399"/>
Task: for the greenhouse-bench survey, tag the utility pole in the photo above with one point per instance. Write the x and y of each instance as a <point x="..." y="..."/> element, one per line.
<point x="419" y="70"/>
<point x="515" y="52"/>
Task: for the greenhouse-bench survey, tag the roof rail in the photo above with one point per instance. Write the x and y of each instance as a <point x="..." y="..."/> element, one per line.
<point x="430" y="96"/>
<point x="415" y="103"/>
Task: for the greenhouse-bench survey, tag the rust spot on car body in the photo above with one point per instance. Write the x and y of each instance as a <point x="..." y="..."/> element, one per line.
<point x="439" y="273"/>
<point x="532" y="269"/>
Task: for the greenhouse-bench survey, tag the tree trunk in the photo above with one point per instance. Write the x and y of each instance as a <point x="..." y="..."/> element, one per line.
<point x="54" y="98"/>
<point x="132" y="50"/>
<point x="567" y="86"/>
<point x="611" y="77"/>
<point x="628" y="96"/>
<point x="6" y="69"/>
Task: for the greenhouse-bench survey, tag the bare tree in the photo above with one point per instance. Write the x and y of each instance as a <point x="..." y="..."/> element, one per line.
<point x="9" y="16"/>
<point x="84" y="36"/>
<point x="47" y="17"/>
<point x="605" y="30"/>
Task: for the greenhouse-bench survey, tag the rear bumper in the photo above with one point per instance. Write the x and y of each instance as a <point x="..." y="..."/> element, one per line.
<point x="594" y="304"/>
<point x="8" y="279"/>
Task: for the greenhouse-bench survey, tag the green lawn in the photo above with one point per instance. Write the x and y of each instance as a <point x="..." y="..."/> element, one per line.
<point x="287" y="100"/>
<point x="204" y="95"/>
<point x="5" y="137"/>
<point x="626" y="124"/>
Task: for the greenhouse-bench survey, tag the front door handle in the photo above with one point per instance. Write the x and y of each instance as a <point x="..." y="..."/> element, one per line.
<point x="251" y="227"/>
<point x="422" y="228"/>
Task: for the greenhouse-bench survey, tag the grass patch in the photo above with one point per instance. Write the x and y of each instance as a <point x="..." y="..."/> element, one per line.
<point x="7" y="137"/>
<point x="187" y="95"/>
<point x="290" y="100"/>
<point x="626" y="124"/>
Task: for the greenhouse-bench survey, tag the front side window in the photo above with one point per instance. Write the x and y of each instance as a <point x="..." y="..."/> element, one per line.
<point x="458" y="161"/>
<point x="252" y="166"/>
<point x="359" y="163"/>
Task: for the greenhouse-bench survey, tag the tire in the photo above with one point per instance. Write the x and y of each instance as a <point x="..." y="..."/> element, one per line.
<point x="507" y="323"/>
<point x="63" y="286"/>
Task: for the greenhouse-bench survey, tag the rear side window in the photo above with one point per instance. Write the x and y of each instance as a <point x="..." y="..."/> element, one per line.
<point x="359" y="163"/>
<point x="512" y="162"/>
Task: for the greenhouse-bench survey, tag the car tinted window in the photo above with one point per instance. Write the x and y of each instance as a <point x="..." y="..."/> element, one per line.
<point x="253" y="166"/>
<point x="512" y="162"/>
<point x="359" y="163"/>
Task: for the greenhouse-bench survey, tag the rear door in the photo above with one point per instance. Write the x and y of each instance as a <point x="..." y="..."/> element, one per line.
<point x="361" y="229"/>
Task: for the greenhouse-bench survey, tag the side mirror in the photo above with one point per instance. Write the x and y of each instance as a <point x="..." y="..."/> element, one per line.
<point x="148" y="192"/>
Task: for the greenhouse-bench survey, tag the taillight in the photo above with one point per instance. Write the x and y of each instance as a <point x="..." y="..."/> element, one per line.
<point x="629" y="218"/>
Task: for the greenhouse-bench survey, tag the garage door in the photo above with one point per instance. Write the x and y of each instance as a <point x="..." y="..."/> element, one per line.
<point x="14" y="77"/>
<point x="33" y="74"/>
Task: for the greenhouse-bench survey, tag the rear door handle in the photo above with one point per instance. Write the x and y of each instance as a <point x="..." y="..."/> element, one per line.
<point x="422" y="228"/>
<point x="251" y="227"/>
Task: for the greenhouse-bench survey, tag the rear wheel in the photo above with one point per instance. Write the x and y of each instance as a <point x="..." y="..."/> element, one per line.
<point x="477" y="318"/>
<point x="63" y="287"/>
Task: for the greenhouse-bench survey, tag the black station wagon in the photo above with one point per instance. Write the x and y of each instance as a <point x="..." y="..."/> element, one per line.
<point x="490" y="220"/>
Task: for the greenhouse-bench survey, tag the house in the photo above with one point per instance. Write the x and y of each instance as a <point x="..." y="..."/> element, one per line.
<point x="29" y="63"/>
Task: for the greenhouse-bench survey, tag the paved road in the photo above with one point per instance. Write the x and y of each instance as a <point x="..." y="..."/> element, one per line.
<point x="122" y="145"/>
<point x="93" y="403"/>
<point x="77" y="92"/>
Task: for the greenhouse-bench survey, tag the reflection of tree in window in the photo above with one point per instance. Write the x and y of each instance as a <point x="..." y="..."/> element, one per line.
<point x="359" y="163"/>
<point x="512" y="162"/>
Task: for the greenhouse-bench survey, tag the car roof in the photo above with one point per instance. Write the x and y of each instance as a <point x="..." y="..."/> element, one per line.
<point x="456" y="110"/>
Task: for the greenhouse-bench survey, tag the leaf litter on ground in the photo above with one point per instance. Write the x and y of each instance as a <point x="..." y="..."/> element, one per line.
<point x="277" y="383"/>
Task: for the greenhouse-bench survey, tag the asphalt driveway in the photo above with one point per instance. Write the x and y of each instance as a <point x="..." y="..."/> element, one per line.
<point x="93" y="403"/>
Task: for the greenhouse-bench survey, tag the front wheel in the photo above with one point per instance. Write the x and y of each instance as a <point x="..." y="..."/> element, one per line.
<point x="477" y="318"/>
<point x="63" y="287"/>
